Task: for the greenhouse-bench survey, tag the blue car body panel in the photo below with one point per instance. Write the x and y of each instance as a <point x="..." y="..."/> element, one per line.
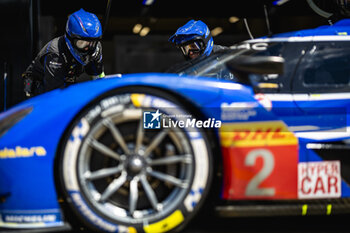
<point x="30" y="180"/>
<point x="27" y="176"/>
<point x="339" y="28"/>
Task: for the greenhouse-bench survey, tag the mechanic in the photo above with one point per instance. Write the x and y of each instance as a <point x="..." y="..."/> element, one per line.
<point x="194" y="40"/>
<point x="65" y="58"/>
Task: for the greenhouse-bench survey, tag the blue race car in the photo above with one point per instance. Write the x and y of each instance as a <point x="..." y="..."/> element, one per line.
<point x="260" y="129"/>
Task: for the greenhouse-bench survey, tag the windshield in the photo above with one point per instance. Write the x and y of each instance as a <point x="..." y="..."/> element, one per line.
<point x="215" y="65"/>
<point x="212" y="66"/>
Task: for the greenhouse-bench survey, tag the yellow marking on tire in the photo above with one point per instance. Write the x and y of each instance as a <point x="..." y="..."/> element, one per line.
<point x="329" y="209"/>
<point x="132" y="230"/>
<point x="166" y="224"/>
<point x="137" y="99"/>
<point x="304" y="210"/>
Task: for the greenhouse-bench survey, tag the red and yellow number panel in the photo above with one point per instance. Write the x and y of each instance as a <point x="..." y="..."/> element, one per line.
<point x="260" y="161"/>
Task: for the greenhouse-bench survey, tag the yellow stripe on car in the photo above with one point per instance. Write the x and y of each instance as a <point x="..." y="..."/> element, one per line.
<point x="329" y="209"/>
<point x="304" y="210"/>
<point x="268" y="85"/>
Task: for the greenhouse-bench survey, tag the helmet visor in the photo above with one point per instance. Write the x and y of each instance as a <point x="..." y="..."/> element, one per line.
<point x="82" y="44"/>
<point x="85" y="45"/>
<point x="193" y="47"/>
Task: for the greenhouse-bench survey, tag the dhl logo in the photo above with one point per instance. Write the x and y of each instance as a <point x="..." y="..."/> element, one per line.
<point x="271" y="133"/>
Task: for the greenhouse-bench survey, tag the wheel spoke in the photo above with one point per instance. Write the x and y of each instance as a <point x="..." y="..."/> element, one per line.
<point x="172" y="159"/>
<point x="103" y="149"/>
<point x="102" y="173"/>
<point x="113" y="187"/>
<point x="134" y="192"/>
<point x="139" y="136"/>
<point x="158" y="139"/>
<point x="149" y="192"/>
<point x="168" y="178"/>
<point x="116" y="135"/>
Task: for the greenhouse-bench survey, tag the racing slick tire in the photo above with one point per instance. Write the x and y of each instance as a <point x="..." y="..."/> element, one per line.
<point x="118" y="175"/>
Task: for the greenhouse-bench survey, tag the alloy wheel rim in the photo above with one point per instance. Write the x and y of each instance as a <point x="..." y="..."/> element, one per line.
<point x="137" y="171"/>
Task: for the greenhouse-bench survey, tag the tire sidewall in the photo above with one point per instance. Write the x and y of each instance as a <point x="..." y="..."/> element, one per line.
<point x="91" y="216"/>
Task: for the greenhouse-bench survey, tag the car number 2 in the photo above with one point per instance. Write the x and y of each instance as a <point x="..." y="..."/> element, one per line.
<point x="252" y="188"/>
<point x="268" y="172"/>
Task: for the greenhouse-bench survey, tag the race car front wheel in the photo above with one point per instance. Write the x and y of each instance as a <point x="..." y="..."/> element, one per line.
<point x="122" y="171"/>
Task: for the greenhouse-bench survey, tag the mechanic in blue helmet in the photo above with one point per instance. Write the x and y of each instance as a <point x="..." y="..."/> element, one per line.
<point x="65" y="58"/>
<point x="194" y="40"/>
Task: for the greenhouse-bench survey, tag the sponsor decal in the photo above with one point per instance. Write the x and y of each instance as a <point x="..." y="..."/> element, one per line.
<point x="108" y="104"/>
<point x="88" y="213"/>
<point x="192" y="199"/>
<point x="22" y="152"/>
<point x="238" y="110"/>
<point x="260" y="46"/>
<point x="319" y="180"/>
<point x="55" y="65"/>
<point x="265" y="133"/>
<point x="201" y="173"/>
<point x="29" y="218"/>
<point x="71" y="153"/>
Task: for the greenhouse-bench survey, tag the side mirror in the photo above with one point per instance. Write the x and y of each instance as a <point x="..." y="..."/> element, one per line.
<point x="256" y="65"/>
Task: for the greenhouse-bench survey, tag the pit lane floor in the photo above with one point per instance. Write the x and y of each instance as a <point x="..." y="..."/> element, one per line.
<point x="300" y="224"/>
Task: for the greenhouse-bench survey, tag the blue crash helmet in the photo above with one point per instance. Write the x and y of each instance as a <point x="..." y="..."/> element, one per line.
<point x="192" y="36"/>
<point x="83" y="31"/>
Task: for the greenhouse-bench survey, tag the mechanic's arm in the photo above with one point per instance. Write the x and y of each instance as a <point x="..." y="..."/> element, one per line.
<point x="28" y="80"/>
<point x="55" y="71"/>
<point x="95" y="67"/>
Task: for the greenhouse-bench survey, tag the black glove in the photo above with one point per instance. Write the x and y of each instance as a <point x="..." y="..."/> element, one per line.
<point x="96" y="56"/>
<point x="28" y="84"/>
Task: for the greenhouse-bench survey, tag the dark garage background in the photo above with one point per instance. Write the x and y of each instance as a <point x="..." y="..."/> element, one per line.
<point x="27" y="25"/>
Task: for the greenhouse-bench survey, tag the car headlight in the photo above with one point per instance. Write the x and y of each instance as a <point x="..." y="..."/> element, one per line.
<point x="11" y="118"/>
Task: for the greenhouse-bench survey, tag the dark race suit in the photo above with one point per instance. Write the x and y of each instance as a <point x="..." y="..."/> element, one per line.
<point x="55" y="67"/>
